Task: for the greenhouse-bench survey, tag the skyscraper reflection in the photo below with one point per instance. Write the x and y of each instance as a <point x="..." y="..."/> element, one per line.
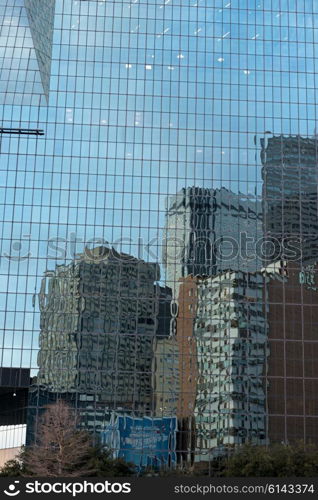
<point x="99" y="318"/>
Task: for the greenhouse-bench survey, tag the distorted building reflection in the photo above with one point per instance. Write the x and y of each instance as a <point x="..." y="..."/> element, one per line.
<point x="99" y="318"/>
<point x="208" y="231"/>
<point x="188" y="365"/>
<point x="218" y="313"/>
<point x="231" y="336"/>
<point x="292" y="386"/>
<point x="289" y="172"/>
<point x="175" y="368"/>
<point x="290" y="196"/>
<point x="108" y="109"/>
<point x="166" y="376"/>
<point x="27" y="41"/>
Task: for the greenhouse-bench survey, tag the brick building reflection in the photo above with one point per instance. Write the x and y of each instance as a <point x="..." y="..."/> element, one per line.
<point x="292" y="366"/>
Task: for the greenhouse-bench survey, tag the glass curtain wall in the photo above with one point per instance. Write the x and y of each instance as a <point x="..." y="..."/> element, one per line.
<point x="159" y="220"/>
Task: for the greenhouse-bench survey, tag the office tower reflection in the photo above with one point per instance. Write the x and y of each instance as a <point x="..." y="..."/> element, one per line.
<point x="210" y="230"/>
<point x="26" y="40"/>
<point x="290" y="196"/>
<point x="188" y="365"/>
<point x="289" y="172"/>
<point x="99" y="318"/>
<point x="231" y="336"/>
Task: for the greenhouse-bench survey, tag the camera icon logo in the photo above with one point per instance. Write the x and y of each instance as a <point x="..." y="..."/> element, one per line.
<point x="13" y="492"/>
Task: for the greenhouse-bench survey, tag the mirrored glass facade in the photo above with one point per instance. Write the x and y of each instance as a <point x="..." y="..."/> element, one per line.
<point x="159" y="231"/>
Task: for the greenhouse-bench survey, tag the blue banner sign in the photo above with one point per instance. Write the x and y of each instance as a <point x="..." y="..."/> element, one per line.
<point x="143" y="441"/>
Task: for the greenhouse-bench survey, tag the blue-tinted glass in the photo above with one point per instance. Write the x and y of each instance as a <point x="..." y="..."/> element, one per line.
<point x="159" y="220"/>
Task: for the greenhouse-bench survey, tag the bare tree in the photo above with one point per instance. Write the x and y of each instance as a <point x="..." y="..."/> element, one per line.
<point x="60" y="449"/>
